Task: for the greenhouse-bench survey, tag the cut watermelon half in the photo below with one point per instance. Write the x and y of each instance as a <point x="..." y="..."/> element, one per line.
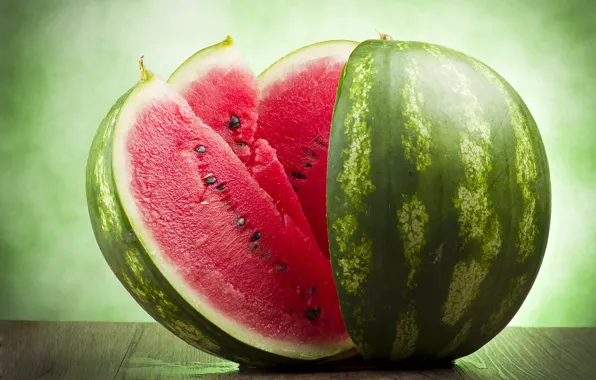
<point x="201" y="220"/>
<point x="297" y="98"/>
<point x="206" y="244"/>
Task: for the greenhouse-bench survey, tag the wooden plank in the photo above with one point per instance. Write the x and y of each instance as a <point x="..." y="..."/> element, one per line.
<point x="156" y="353"/>
<point x="533" y="354"/>
<point x="77" y="350"/>
<point x="62" y="350"/>
<point x="573" y="349"/>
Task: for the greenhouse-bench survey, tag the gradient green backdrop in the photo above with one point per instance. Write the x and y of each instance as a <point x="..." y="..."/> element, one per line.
<point x="64" y="62"/>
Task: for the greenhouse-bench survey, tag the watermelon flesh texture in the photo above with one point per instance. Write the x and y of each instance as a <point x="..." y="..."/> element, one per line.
<point x="266" y="169"/>
<point x="223" y="234"/>
<point x="226" y="101"/>
<point x="295" y="118"/>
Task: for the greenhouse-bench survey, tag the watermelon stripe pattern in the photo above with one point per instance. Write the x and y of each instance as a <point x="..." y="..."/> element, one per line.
<point x="525" y="170"/>
<point x="438" y="207"/>
<point x="355" y="180"/>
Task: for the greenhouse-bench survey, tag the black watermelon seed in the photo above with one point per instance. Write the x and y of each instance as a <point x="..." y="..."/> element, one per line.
<point x="210" y="180"/>
<point x="308" y="165"/>
<point x="220" y="187"/>
<point x="282" y="267"/>
<point x="312" y="314"/>
<point x="320" y="142"/>
<point x="201" y="149"/>
<point x="240" y="222"/>
<point x="313" y="290"/>
<point x="298" y="175"/>
<point x="234" y="122"/>
<point x="256" y="236"/>
<point x="240" y="143"/>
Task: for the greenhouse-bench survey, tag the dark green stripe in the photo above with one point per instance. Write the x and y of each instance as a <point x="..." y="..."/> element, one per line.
<point x="381" y="221"/>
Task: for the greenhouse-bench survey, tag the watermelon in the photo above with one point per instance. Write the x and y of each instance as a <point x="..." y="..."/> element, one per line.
<point x="438" y="201"/>
<point x="198" y="233"/>
<point x="295" y="110"/>
<point x="399" y="202"/>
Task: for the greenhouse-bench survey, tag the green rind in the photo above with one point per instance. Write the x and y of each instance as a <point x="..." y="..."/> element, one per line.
<point x="134" y="267"/>
<point x="400" y="194"/>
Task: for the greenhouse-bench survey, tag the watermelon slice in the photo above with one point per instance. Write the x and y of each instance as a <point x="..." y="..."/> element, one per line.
<point x="222" y="91"/>
<point x="209" y="246"/>
<point x="297" y="97"/>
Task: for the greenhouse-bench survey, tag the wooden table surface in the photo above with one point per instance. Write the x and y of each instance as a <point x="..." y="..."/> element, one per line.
<point x="86" y="351"/>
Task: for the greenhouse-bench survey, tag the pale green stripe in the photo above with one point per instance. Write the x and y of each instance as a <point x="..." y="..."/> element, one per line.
<point x="416" y="140"/>
<point x="355" y="178"/>
<point x="463" y="289"/>
<point x="354" y="258"/>
<point x="412" y="220"/>
<point x="406" y="335"/>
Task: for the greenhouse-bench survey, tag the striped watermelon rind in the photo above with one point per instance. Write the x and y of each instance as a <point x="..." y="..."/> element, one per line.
<point x="438" y="201"/>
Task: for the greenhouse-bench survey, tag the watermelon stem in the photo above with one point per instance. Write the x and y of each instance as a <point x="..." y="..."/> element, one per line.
<point x="145" y="74"/>
<point x="384" y="36"/>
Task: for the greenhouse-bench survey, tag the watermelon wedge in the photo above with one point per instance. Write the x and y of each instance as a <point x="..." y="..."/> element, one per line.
<point x="222" y="90"/>
<point x="204" y="242"/>
<point x="295" y="110"/>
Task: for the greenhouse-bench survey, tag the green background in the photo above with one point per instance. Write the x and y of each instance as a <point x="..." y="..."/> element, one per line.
<point x="63" y="64"/>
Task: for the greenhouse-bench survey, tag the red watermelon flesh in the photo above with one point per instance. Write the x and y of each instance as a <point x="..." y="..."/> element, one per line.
<point x="269" y="173"/>
<point x="231" y="247"/>
<point x="295" y="114"/>
<point x="223" y="92"/>
<point x="228" y="108"/>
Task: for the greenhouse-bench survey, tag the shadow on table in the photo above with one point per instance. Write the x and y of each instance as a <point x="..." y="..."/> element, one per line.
<point x="141" y="368"/>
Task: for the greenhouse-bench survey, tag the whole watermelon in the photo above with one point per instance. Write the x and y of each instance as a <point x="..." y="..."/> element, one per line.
<point x="438" y="201"/>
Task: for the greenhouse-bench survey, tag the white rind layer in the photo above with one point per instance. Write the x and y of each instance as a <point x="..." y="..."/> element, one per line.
<point x="337" y="50"/>
<point x="224" y="55"/>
